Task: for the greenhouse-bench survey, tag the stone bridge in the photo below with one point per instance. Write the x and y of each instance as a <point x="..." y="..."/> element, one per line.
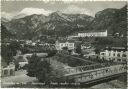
<point x="94" y="74"/>
<point x="89" y="72"/>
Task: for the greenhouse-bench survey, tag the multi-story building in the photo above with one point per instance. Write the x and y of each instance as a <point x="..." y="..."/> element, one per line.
<point x="65" y="43"/>
<point x="93" y="34"/>
<point x="114" y="54"/>
<point x="8" y="70"/>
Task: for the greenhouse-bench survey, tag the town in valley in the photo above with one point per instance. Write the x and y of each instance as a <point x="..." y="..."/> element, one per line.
<point x="64" y="50"/>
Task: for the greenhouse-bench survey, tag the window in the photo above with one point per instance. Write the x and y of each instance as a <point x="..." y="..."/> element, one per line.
<point x="70" y="44"/>
<point x="124" y="55"/>
<point x="11" y="72"/>
<point x="114" y="54"/>
<point x="118" y="59"/>
<point x="106" y="70"/>
<point x="5" y="72"/>
<point x="113" y="59"/>
<point x="61" y="44"/>
<point x="103" y="58"/>
<point x="102" y="54"/>
<point x="118" y="55"/>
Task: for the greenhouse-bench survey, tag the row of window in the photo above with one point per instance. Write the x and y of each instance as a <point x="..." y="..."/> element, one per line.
<point x="92" y="34"/>
<point x="8" y="72"/>
<point x="118" y="55"/>
<point x="67" y="44"/>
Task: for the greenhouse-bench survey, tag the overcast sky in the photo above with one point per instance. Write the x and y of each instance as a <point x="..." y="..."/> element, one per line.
<point x="11" y="8"/>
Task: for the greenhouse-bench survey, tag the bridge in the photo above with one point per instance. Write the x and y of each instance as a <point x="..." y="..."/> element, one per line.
<point x="89" y="73"/>
<point x="80" y="75"/>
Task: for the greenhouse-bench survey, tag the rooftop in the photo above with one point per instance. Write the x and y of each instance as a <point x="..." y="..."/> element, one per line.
<point x="20" y="58"/>
<point x="65" y="40"/>
<point x="93" y="31"/>
<point x="117" y="48"/>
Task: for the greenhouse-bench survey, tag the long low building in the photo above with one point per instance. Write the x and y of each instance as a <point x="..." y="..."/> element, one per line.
<point x="93" y="34"/>
<point x="90" y="34"/>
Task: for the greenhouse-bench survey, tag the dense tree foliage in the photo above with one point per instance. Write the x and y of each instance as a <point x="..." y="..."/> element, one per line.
<point x="52" y="53"/>
<point x="41" y="69"/>
<point x="33" y="62"/>
<point x="5" y="33"/>
<point x="65" y="48"/>
<point x="8" y="51"/>
<point x="7" y="55"/>
<point x="78" y="49"/>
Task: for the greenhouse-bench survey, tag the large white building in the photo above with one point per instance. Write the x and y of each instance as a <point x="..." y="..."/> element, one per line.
<point x="93" y="34"/>
<point x="69" y="44"/>
<point x="114" y="55"/>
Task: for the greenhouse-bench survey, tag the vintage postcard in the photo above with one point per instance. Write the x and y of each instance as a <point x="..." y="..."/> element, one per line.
<point x="63" y="44"/>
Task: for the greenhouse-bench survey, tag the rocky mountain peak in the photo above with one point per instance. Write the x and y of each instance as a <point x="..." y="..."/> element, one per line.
<point x="62" y="24"/>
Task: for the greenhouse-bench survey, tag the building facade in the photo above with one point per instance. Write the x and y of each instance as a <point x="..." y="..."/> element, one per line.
<point x="115" y="55"/>
<point x="60" y="44"/>
<point x="93" y="34"/>
<point x="8" y="71"/>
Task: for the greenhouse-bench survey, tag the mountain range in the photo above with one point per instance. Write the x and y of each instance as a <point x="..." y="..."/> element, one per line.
<point x="61" y="24"/>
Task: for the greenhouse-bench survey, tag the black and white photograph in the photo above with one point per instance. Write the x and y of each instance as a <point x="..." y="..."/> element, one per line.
<point x="63" y="44"/>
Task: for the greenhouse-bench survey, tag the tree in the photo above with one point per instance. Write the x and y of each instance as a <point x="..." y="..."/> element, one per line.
<point x="39" y="68"/>
<point x="16" y="65"/>
<point x="78" y="49"/>
<point x="6" y="34"/>
<point x="43" y="71"/>
<point x="14" y="46"/>
<point x="51" y="41"/>
<point x="6" y="54"/>
<point x="70" y="51"/>
<point x="33" y="62"/>
<point x="51" y="53"/>
<point x="65" y="48"/>
<point x="8" y="51"/>
<point x="97" y="50"/>
<point x="80" y="39"/>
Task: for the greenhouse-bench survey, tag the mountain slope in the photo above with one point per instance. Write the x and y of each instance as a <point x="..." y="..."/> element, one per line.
<point x="61" y="24"/>
<point x="5" y="33"/>
<point x="56" y="23"/>
<point x="113" y="20"/>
